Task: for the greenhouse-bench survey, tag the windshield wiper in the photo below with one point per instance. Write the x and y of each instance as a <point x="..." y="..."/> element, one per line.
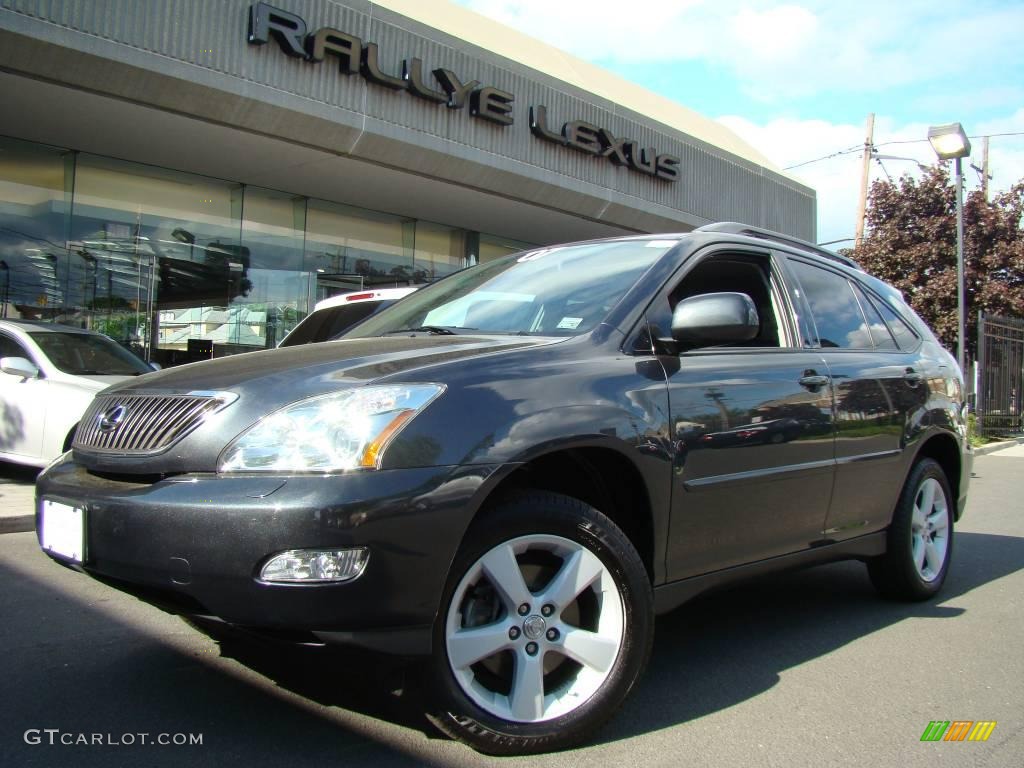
<point x="437" y="330"/>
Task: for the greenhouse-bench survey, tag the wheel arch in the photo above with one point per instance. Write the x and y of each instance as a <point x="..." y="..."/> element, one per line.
<point x="944" y="449"/>
<point x="583" y="472"/>
<point x="70" y="437"/>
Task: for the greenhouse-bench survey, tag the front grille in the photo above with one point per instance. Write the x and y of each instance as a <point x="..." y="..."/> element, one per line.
<point x="140" y="423"/>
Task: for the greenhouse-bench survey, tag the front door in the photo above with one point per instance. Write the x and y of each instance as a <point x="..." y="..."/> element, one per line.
<point x="753" y="428"/>
<point x="22" y="406"/>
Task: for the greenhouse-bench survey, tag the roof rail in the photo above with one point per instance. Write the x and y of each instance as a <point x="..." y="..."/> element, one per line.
<point x="736" y="228"/>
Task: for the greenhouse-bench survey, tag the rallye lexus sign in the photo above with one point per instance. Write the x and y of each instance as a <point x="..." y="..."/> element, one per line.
<point x="443" y="86"/>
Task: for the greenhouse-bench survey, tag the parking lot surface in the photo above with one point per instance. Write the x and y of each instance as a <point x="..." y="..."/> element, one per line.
<point x="801" y="669"/>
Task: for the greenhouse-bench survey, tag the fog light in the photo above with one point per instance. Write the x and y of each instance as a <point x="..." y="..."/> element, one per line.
<point x="309" y="566"/>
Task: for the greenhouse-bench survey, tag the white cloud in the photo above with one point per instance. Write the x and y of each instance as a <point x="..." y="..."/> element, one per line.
<point x="783" y="51"/>
<point x="775" y="34"/>
<point x="837" y="179"/>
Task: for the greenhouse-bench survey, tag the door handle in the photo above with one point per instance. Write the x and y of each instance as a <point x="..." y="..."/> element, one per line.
<point x="812" y="380"/>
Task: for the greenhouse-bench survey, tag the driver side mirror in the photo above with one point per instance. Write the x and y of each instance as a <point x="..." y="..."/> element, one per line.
<point x="19" y="366"/>
<point x="715" y="318"/>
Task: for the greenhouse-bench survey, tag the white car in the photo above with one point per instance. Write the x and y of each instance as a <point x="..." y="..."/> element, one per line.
<point x="48" y="376"/>
<point x="337" y="314"/>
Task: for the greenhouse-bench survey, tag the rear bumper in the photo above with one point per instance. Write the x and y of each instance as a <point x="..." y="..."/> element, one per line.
<point x="195" y="544"/>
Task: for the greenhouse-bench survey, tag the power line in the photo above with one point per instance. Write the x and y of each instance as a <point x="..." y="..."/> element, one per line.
<point x="859" y="147"/>
<point x="846" y="151"/>
<point x="884" y="169"/>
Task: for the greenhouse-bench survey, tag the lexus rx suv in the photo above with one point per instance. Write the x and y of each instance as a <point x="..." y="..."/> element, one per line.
<point x="512" y="470"/>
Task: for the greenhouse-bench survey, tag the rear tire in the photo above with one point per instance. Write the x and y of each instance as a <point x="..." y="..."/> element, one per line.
<point x="545" y="625"/>
<point x="920" y="538"/>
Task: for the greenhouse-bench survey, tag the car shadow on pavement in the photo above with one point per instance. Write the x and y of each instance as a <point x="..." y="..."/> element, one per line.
<point x="315" y="703"/>
<point x="86" y="660"/>
<point x="729" y="646"/>
<point x="373" y="684"/>
<point x="18" y="474"/>
<point x="719" y="650"/>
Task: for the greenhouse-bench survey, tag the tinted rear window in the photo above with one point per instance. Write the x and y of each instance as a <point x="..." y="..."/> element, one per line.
<point x="327" y="323"/>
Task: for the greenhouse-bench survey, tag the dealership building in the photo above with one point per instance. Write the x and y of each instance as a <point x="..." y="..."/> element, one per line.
<point x="182" y="174"/>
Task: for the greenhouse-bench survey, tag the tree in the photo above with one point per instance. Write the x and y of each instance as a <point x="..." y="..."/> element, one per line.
<point x="911" y="243"/>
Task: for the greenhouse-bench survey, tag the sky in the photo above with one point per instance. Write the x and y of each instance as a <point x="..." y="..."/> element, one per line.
<point x="798" y="80"/>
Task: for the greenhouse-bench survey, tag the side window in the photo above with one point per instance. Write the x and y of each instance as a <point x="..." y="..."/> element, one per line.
<point x="726" y="273"/>
<point x="11" y="348"/>
<point x="834" y="308"/>
<point x="905" y="338"/>
<point x="876" y="325"/>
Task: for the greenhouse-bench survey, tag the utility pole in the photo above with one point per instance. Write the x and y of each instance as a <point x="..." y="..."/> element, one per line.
<point x="869" y="145"/>
<point x="984" y="168"/>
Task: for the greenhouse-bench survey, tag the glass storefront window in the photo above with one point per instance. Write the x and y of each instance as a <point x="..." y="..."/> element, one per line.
<point x="180" y="267"/>
<point x="161" y="258"/>
<point x="492" y="247"/>
<point x="439" y="251"/>
<point x="34" y="208"/>
<point x="350" y="249"/>
<point x="273" y="232"/>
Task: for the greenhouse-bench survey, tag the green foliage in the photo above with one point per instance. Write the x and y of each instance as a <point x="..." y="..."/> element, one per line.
<point x="911" y="243"/>
<point x="974" y="433"/>
<point x="118" y="326"/>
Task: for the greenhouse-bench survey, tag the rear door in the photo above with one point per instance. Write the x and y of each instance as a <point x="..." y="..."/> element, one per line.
<point x="753" y="443"/>
<point x="880" y="388"/>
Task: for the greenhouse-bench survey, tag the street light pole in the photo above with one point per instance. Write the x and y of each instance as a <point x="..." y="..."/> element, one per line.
<point x="950" y="142"/>
<point x="960" y="300"/>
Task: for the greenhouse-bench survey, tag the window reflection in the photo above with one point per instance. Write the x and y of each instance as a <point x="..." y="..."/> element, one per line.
<point x="273" y="227"/>
<point x="492" y="248"/>
<point x="164" y="251"/>
<point x="351" y="249"/>
<point x="33" y="223"/>
<point x="179" y="266"/>
<point x="439" y="251"/>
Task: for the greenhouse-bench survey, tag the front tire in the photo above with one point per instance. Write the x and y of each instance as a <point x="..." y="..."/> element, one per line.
<point x="920" y="538"/>
<point x="546" y="625"/>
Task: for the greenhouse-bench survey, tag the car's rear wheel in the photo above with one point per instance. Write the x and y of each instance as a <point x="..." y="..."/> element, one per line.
<point x="920" y="538"/>
<point x="546" y="625"/>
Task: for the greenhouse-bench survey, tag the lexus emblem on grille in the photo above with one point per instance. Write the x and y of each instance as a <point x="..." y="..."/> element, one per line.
<point x="112" y="417"/>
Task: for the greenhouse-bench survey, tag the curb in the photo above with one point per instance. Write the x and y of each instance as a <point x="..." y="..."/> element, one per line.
<point x="993" y="447"/>
<point x="17" y="523"/>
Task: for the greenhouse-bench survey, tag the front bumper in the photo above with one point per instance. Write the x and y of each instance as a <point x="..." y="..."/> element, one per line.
<point x="195" y="543"/>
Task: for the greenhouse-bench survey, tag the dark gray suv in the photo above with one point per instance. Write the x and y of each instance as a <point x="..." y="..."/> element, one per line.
<point x="512" y="470"/>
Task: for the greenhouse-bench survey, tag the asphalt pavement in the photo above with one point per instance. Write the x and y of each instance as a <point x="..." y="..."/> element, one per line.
<point x="17" y="496"/>
<point x="799" y="669"/>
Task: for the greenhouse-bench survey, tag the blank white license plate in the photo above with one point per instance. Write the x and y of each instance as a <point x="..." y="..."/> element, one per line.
<point x="63" y="532"/>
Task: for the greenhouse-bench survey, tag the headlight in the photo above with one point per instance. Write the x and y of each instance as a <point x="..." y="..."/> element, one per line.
<point x="328" y="433"/>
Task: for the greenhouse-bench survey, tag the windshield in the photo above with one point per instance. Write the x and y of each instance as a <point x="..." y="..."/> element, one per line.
<point x="560" y="291"/>
<point x="88" y="354"/>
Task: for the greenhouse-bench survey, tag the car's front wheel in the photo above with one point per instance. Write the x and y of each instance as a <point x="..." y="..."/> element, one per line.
<point x="546" y="625"/>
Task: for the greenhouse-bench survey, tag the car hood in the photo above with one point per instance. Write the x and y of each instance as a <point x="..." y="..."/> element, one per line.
<point x="295" y="372"/>
<point x="262" y="382"/>
<point x="96" y="383"/>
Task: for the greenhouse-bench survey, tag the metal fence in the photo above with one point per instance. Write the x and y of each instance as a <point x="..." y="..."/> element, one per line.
<point x="1000" y="374"/>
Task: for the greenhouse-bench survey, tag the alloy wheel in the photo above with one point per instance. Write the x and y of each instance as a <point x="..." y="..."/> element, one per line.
<point x="534" y="628"/>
